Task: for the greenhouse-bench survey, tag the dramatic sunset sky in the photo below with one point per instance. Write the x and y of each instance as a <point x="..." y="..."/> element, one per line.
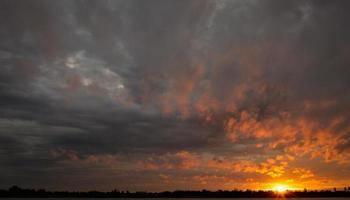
<point x="166" y="95"/>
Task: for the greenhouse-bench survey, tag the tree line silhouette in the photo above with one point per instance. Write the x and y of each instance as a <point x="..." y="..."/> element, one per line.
<point x="16" y="191"/>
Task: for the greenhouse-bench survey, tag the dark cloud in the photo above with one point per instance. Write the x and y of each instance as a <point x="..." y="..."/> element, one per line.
<point x="127" y="81"/>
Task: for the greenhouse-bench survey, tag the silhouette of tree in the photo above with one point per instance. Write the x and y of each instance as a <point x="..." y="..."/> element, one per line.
<point x="16" y="191"/>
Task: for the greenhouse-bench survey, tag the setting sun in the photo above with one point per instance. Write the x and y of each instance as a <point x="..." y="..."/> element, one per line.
<point x="175" y="99"/>
<point x="280" y="188"/>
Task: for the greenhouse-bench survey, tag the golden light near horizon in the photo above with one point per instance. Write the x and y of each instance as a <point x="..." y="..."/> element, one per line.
<point x="280" y="188"/>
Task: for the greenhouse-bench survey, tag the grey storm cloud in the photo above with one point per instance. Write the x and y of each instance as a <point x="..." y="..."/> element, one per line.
<point x="136" y="79"/>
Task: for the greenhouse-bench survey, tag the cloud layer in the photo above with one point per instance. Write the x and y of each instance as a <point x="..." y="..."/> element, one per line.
<point x="198" y="94"/>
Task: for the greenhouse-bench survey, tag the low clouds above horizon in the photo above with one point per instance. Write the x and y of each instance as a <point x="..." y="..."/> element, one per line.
<point x="165" y="95"/>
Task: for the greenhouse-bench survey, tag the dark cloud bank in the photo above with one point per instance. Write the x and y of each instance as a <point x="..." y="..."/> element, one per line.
<point x="105" y="94"/>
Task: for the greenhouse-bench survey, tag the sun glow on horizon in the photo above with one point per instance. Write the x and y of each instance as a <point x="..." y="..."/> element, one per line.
<point x="280" y="188"/>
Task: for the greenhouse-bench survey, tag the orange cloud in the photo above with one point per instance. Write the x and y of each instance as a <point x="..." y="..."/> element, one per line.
<point x="303" y="173"/>
<point x="233" y="91"/>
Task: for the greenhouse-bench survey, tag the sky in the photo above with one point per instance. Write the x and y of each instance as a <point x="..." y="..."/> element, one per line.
<point x="174" y="95"/>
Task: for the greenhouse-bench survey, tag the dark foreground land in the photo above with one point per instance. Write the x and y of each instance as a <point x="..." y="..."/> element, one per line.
<point x="19" y="192"/>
